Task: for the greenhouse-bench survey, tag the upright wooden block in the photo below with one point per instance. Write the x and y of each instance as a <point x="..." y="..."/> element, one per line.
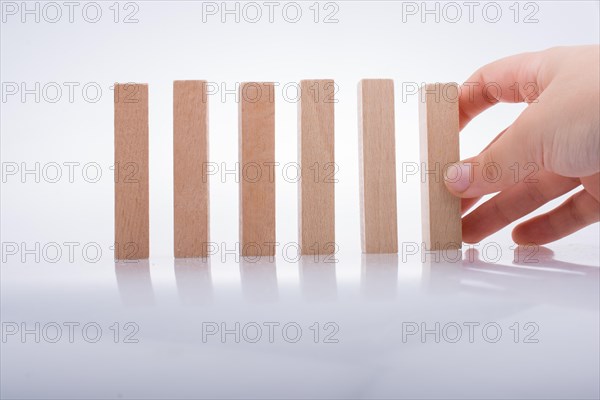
<point x="257" y="169"/>
<point x="438" y="121"/>
<point x="190" y="161"/>
<point x="316" y="202"/>
<point x="131" y="172"/>
<point x="377" y="159"/>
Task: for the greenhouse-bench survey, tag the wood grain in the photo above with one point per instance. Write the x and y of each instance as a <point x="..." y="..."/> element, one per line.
<point x="190" y="162"/>
<point x="377" y="159"/>
<point x="131" y="172"/>
<point x="316" y="203"/>
<point x="438" y="122"/>
<point x="257" y="173"/>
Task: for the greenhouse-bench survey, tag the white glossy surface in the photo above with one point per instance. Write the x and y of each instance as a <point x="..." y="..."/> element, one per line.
<point x="371" y="299"/>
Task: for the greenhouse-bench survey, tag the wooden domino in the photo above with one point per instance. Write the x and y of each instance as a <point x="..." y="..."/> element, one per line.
<point x="316" y="204"/>
<point x="257" y="163"/>
<point x="131" y="171"/>
<point x="190" y="161"/>
<point x="377" y="166"/>
<point x="438" y="122"/>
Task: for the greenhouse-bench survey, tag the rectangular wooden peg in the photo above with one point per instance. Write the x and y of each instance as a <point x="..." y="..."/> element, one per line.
<point x="190" y="162"/>
<point x="377" y="160"/>
<point x="131" y="171"/>
<point x="439" y="127"/>
<point x="257" y="168"/>
<point x="316" y="201"/>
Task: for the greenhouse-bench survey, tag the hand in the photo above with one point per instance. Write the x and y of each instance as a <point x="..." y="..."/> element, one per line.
<point x="552" y="147"/>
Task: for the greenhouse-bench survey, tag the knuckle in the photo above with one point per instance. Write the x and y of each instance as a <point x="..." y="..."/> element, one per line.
<point x="534" y="194"/>
<point x="500" y="212"/>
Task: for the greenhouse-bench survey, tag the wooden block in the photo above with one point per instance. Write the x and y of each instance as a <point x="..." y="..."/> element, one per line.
<point x="190" y="161"/>
<point x="377" y="159"/>
<point x="438" y="121"/>
<point x="316" y="201"/>
<point x="257" y="170"/>
<point x="131" y="172"/>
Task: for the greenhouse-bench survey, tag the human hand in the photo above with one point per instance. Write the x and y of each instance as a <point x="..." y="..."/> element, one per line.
<point x="550" y="149"/>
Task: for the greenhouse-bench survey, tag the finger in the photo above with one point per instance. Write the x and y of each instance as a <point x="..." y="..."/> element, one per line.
<point x="512" y="79"/>
<point x="502" y="164"/>
<point x="579" y="211"/>
<point x="466" y="204"/>
<point x="512" y="204"/>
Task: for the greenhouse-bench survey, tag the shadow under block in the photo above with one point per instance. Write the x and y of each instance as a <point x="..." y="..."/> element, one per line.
<point x="438" y="123"/>
<point x="317" y="165"/>
<point x="131" y="172"/>
<point x="377" y="159"/>
<point x="257" y="169"/>
<point x="190" y="160"/>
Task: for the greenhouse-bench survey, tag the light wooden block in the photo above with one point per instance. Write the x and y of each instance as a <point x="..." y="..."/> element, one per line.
<point x="316" y="201"/>
<point x="257" y="171"/>
<point x="190" y="161"/>
<point x="377" y="159"/>
<point x="131" y="172"/>
<point x="440" y="210"/>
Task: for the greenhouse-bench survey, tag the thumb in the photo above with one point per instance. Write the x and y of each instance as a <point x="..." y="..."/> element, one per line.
<point x="512" y="157"/>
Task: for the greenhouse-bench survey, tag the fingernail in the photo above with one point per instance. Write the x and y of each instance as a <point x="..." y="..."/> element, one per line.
<point x="458" y="177"/>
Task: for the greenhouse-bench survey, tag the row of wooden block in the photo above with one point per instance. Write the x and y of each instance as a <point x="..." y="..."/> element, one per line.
<point x="378" y="204"/>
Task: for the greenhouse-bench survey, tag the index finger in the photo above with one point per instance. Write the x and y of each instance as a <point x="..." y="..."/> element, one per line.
<point x="513" y="79"/>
